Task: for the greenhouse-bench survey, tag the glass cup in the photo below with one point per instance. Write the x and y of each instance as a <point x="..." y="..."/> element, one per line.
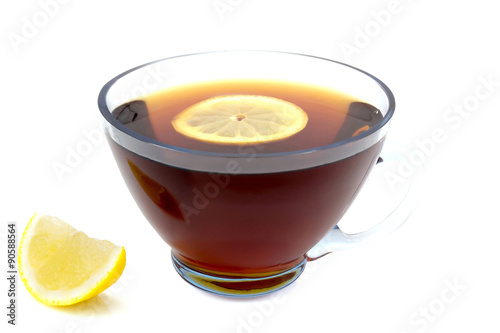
<point x="241" y="224"/>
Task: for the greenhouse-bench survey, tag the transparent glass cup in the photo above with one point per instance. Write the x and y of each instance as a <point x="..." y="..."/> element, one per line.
<point x="190" y="197"/>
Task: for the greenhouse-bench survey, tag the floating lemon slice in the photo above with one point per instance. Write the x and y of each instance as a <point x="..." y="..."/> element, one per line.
<point x="241" y="119"/>
<point x="62" y="266"/>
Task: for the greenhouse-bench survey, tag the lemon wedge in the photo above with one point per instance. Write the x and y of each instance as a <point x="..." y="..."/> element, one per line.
<point x="240" y="119"/>
<point x="60" y="265"/>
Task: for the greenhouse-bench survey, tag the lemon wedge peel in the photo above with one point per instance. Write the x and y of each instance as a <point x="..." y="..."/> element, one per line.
<point x="36" y="283"/>
<point x="240" y="119"/>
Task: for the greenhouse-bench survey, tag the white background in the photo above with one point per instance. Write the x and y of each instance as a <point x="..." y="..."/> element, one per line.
<point x="438" y="273"/>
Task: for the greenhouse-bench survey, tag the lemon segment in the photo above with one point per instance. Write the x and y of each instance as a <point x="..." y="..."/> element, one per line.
<point x="240" y="119"/>
<point x="60" y="265"/>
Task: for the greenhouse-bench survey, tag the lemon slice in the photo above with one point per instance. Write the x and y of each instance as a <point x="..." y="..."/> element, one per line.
<point x="62" y="266"/>
<point x="240" y="119"/>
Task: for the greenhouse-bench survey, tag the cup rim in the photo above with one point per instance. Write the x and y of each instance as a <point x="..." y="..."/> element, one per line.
<point x="108" y="117"/>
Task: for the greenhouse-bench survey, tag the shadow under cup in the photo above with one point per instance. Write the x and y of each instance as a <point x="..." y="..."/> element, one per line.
<point x="242" y="224"/>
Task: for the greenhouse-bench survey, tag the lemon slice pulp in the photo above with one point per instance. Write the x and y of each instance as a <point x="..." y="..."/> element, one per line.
<point x="240" y="119"/>
<point x="62" y="266"/>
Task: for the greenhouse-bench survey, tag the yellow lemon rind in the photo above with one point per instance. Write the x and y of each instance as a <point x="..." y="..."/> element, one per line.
<point x="102" y="280"/>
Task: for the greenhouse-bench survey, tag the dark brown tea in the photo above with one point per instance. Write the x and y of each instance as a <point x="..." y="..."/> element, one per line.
<point x="239" y="223"/>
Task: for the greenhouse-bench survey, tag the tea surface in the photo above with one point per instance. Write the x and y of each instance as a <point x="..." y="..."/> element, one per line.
<point x="333" y="116"/>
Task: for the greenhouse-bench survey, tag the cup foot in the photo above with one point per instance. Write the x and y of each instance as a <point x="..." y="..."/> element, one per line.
<point x="239" y="287"/>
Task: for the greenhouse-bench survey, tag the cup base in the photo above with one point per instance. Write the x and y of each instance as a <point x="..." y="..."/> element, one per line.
<point x="239" y="287"/>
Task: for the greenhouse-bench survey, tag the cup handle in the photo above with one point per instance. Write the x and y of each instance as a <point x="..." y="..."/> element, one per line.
<point x="336" y="239"/>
